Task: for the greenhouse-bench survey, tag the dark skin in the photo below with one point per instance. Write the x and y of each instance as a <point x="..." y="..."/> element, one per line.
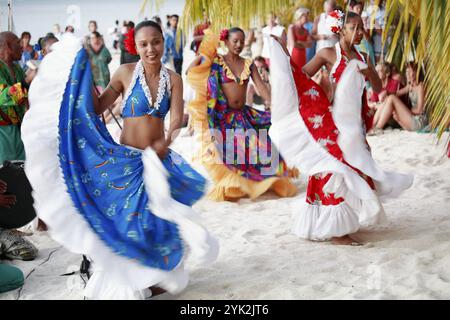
<point x="146" y="131"/>
<point x="10" y="50"/>
<point x="352" y="34"/>
<point x="235" y="93"/>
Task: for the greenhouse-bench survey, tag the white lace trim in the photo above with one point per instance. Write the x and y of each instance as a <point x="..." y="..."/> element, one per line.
<point x="132" y="84"/>
<point x="338" y="61"/>
<point x="164" y="84"/>
<point x="139" y="73"/>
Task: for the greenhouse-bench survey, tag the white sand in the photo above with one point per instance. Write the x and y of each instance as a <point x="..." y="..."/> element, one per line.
<point x="407" y="258"/>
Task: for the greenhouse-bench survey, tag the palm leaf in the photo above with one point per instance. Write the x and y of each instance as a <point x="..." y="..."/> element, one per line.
<point x="417" y="29"/>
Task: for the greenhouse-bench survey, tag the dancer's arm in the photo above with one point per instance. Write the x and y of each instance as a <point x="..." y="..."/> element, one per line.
<point x="371" y="74"/>
<point x="176" y="108"/>
<point x="196" y="62"/>
<point x="111" y="93"/>
<point x="322" y="58"/>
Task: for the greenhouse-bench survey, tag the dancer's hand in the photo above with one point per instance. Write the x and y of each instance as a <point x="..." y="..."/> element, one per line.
<point x="282" y="43"/>
<point x="365" y="72"/>
<point x="7" y="200"/>
<point x="161" y="148"/>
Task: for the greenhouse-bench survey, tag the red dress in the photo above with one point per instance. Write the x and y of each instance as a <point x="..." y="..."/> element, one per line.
<point x="316" y="183"/>
<point x="299" y="54"/>
<point x="328" y="144"/>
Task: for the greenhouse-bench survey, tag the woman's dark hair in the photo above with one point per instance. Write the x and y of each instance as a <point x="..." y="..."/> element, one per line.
<point x="97" y="34"/>
<point x="24" y="34"/>
<point x="355" y="3"/>
<point x="415" y="67"/>
<point x="147" y="23"/>
<point x="93" y="22"/>
<point x="351" y="15"/>
<point x="234" y="30"/>
<point x="157" y="19"/>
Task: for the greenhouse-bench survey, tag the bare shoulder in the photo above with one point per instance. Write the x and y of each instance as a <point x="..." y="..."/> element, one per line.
<point x="125" y="71"/>
<point x="175" y="78"/>
<point x="128" y="67"/>
<point x="328" y="54"/>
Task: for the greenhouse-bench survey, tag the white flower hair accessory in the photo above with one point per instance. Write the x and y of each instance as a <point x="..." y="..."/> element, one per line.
<point x="335" y="21"/>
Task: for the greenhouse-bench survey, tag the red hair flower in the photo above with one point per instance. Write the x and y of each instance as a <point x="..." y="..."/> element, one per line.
<point x="335" y="21"/>
<point x="130" y="44"/>
<point x="224" y="35"/>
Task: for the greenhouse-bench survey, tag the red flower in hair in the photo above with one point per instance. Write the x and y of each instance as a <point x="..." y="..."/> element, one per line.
<point x="130" y="44"/>
<point x="224" y="35"/>
<point x="336" y="14"/>
<point x="335" y="29"/>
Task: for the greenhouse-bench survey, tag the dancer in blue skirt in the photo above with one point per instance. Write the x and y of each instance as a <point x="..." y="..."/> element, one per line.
<point x="127" y="207"/>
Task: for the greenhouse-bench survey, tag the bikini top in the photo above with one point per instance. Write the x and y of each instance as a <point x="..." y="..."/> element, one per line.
<point x="138" y="100"/>
<point x="227" y="76"/>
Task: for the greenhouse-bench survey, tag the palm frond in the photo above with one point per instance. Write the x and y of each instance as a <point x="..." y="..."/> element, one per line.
<point x="415" y="29"/>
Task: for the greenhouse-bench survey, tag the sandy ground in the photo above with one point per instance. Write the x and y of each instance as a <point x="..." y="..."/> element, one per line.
<point x="406" y="258"/>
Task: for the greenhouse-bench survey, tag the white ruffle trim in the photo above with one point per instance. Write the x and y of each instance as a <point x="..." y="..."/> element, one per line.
<point x="300" y="149"/>
<point x="318" y="222"/>
<point x="114" y="276"/>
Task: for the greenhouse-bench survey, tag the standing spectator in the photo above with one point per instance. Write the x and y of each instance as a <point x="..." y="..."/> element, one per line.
<point x="174" y="45"/>
<point x="57" y="31"/>
<point x="127" y="55"/>
<point x="365" y="46"/>
<point x="378" y="27"/>
<point x="100" y="57"/>
<point x="299" y="38"/>
<point x="28" y="52"/>
<point x="311" y="51"/>
<point x="70" y="29"/>
<point x="199" y="32"/>
<point x="114" y="32"/>
<point x="92" y="27"/>
<point x="321" y="32"/>
<point x="272" y="28"/>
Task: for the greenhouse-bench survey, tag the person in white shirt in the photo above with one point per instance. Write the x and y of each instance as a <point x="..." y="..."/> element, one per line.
<point x="321" y="32"/>
<point x="272" y="28"/>
<point x="379" y="11"/>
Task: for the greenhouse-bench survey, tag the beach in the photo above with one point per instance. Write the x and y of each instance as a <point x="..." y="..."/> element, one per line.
<point x="405" y="258"/>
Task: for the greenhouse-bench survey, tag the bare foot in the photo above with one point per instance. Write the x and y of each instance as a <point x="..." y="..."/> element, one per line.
<point x="156" y="291"/>
<point x="345" y="241"/>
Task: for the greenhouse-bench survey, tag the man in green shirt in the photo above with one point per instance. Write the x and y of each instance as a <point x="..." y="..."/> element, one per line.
<point x="13" y="104"/>
<point x="13" y="98"/>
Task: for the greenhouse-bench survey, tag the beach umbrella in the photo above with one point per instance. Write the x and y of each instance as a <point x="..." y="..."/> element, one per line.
<point x="22" y="213"/>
